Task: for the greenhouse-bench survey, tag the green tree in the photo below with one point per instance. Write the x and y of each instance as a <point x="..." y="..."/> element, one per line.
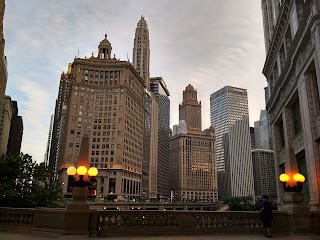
<point x="239" y="204"/>
<point x="24" y="183"/>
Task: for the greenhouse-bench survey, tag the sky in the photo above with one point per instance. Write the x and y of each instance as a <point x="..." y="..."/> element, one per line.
<point x="207" y="43"/>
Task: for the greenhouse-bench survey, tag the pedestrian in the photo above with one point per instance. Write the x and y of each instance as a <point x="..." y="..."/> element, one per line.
<point x="266" y="214"/>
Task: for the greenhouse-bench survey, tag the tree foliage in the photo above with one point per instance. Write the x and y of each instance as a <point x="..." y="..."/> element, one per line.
<point x="239" y="204"/>
<point x="24" y="183"/>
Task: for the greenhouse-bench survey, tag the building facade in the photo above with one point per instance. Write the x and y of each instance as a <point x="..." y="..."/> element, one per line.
<point x="264" y="173"/>
<point x="141" y="62"/>
<point x="3" y="60"/>
<point x="192" y="154"/>
<point x="160" y="90"/>
<point x="47" y="154"/>
<point x="5" y="124"/>
<point x="16" y="131"/>
<point x="105" y="102"/>
<point x="292" y="69"/>
<point x="57" y="135"/>
<point x="229" y="118"/>
<point x="262" y="131"/>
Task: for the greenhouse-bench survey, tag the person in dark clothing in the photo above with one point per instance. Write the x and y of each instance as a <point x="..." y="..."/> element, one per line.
<point x="266" y="214"/>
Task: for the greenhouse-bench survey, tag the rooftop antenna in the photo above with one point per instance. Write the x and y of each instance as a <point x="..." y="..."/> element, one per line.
<point x="128" y="57"/>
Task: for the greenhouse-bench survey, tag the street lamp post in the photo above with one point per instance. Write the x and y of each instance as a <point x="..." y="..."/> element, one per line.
<point x="78" y="216"/>
<point x="293" y="197"/>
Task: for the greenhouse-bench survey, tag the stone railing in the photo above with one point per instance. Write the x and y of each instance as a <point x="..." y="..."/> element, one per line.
<point x="105" y="223"/>
<point x="175" y="222"/>
<point x="16" y="217"/>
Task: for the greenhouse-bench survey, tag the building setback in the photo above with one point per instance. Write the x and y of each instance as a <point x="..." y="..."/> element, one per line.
<point x="292" y="69"/>
<point x="229" y="118"/>
<point x="105" y="101"/>
<point x="160" y="90"/>
<point x="192" y="154"/>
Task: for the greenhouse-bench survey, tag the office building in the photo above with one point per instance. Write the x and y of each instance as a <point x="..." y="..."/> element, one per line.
<point x="16" y="131"/>
<point x="192" y="154"/>
<point x="264" y="173"/>
<point x="292" y="69"/>
<point x="47" y="154"/>
<point x="104" y="101"/>
<point x="229" y="118"/>
<point x="262" y="131"/>
<point x="5" y="124"/>
<point x="160" y="90"/>
<point x="141" y="62"/>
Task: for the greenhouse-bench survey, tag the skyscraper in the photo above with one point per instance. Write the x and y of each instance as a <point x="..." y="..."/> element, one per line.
<point x="141" y="62"/>
<point x="3" y="61"/>
<point x="141" y="51"/>
<point x="190" y="109"/>
<point x="64" y="86"/>
<point x="104" y="101"/>
<point x="160" y="90"/>
<point x="192" y="154"/>
<point x="5" y="123"/>
<point x="16" y="131"/>
<point x="47" y="154"/>
<point x="264" y="173"/>
<point x="229" y="118"/>
<point x="262" y="131"/>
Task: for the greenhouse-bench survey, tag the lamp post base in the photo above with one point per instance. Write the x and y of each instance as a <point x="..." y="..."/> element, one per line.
<point x="77" y="216"/>
<point x="298" y="213"/>
<point x="294" y="202"/>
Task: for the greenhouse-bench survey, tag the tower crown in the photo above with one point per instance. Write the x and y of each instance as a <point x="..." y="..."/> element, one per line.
<point x="142" y="23"/>
<point x="104" y="48"/>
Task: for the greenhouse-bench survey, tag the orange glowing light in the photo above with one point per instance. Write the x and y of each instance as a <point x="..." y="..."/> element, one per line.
<point x="284" y="177"/>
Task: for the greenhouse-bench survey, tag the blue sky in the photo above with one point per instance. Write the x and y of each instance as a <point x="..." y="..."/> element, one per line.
<point x="208" y="43"/>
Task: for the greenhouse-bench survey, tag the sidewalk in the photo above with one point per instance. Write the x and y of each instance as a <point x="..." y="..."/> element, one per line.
<point x="18" y="236"/>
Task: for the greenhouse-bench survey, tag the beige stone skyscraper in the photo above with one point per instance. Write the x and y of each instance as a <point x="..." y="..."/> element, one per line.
<point x="105" y="101"/>
<point x="141" y="62"/>
<point x="141" y="51"/>
<point x="192" y="153"/>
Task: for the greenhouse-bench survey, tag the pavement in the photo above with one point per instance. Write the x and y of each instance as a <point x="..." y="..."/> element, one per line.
<point x="28" y="236"/>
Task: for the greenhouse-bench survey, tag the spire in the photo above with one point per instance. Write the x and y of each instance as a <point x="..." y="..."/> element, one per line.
<point x="141" y="51"/>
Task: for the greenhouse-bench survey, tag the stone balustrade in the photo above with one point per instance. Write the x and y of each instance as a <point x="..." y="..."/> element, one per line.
<point x="142" y="222"/>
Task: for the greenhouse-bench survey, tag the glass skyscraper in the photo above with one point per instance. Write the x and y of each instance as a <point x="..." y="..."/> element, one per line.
<point x="230" y="119"/>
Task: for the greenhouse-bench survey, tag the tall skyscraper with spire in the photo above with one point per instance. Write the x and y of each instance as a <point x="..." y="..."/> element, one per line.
<point x="141" y="62"/>
<point x="141" y="51"/>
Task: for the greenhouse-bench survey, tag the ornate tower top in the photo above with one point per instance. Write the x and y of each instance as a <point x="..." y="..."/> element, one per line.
<point x="141" y="51"/>
<point x="189" y="95"/>
<point x="190" y="109"/>
<point x="105" y="48"/>
<point x="142" y="23"/>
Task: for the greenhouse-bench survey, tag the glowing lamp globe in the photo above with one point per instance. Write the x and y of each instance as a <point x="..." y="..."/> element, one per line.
<point x="71" y="171"/>
<point x="92" y="172"/>
<point x="82" y="170"/>
<point x="284" y="177"/>
<point x="299" y="177"/>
